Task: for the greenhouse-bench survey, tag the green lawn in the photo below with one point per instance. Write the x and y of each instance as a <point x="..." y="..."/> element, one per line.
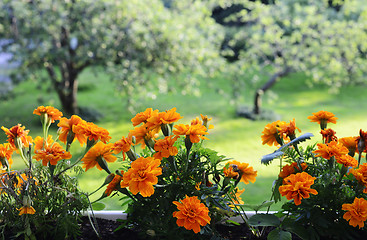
<point x="234" y="137"/>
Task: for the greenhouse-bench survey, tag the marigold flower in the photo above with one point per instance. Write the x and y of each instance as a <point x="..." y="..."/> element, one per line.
<point x="331" y="149"/>
<point x="193" y="132"/>
<point x="52" y="113"/>
<point x="323" y="118"/>
<point x="289" y="130"/>
<point x="123" y="145"/>
<point x="143" y="135"/>
<point x="16" y="133"/>
<point x="6" y="152"/>
<point x="205" y="121"/>
<point x="142" y="175"/>
<point x="361" y="175"/>
<point x="297" y="186"/>
<point x="26" y="210"/>
<point x="51" y="153"/>
<point x="236" y="197"/>
<point x="142" y="117"/>
<point x="328" y="135"/>
<point x="167" y="117"/>
<point x="271" y="134"/>
<point x="347" y="161"/>
<point x="247" y="173"/>
<point x="231" y="172"/>
<point x="191" y="214"/>
<point x="356" y="212"/>
<point x="94" y="156"/>
<point x="350" y="143"/>
<point x="114" y="185"/>
<point x="66" y="128"/>
<point x="92" y="132"/>
<point x="164" y="147"/>
<point x="291" y="169"/>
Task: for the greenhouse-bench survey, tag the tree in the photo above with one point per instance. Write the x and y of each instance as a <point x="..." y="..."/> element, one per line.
<point x="325" y="42"/>
<point x="128" y="38"/>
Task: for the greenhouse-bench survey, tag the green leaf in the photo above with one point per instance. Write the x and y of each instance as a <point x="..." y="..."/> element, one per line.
<point x="278" y="234"/>
<point x="258" y="207"/>
<point x="98" y="206"/>
<point x="233" y="222"/>
<point x="264" y="220"/>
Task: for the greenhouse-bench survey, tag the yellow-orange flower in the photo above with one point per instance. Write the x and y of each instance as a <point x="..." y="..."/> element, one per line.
<point x="361" y="175"/>
<point x="291" y="169"/>
<point x="95" y="156"/>
<point x="206" y="119"/>
<point x="26" y="210"/>
<point x="51" y="153"/>
<point x="297" y="186"/>
<point x="66" y="127"/>
<point x="247" y="172"/>
<point x="271" y="134"/>
<point x="289" y="130"/>
<point x="356" y="212"/>
<point x="156" y="120"/>
<point x="16" y="133"/>
<point x="143" y="135"/>
<point x="114" y="184"/>
<point x="164" y="147"/>
<point x="331" y="149"/>
<point x="53" y="113"/>
<point x="350" y="143"/>
<point x="236" y="196"/>
<point x="123" y="145"/>
<point x="323" y="118"/>
<point x="347" y="160"/>
<point x="142" y="117"/>
<point x="6" y="151"/>
<point x="194" y="132"/>
<point x="191" y="214"/>
<point x="142" y="175"/>
<point x="92" y="132"/>
<point x="231" y="172"/>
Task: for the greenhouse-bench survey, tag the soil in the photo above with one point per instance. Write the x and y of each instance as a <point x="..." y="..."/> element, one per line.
<point x="107" y="232"/>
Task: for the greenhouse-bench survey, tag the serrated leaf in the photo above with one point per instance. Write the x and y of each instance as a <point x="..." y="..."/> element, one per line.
<point x="264" y="220"/>
<point x="98" y="206"/>
<point x="278" y="234"/>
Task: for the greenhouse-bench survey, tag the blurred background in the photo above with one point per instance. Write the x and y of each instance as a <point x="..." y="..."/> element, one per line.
<point x="244" y="63"/>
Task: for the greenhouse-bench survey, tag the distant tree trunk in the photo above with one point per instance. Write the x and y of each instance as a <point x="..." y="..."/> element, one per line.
<point x="261" y="91"/>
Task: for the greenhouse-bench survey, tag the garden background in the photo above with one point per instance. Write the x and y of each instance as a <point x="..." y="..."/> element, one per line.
<point x="311" y="54"/>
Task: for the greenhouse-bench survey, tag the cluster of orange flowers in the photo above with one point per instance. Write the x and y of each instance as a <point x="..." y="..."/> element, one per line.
<point x="297" y="183"/>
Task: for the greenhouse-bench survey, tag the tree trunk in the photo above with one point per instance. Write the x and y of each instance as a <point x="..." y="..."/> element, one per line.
<point x="261" y="91"/>
<point x="68" y="96"/>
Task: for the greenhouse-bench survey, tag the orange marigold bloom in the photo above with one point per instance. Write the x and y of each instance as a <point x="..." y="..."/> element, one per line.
<point x="331" y="149"/>
<point x="143" y="135"/>
<point x="123" y="145"/>
<point x="164" y="147"/>
<point x="361" y="175"/>
<point x="114" y="184"/>
<point x="16" y="133"/>
<point x="297" y="186"/>
<point x="191" y="214"/>
<point x="205" y="121"/>
<point x="50" y="153"/>
<point x="6" y="151"/>
<point x="236" y="197"/>
<point x="350" y="143"/>
<point x="194" y="132"/>
<point x="289" y="130"/>
<point x="142" y="175"/>
<point x="323" y="118"/>
<point x="328" y="135"/>
<point x="271" y="134"/>
<point x="247" y="173"/>
<point x="231" y="172"/>
<point x="66" y="127"/>
<point x="356" y="212"/>
<point x="142" y="117"/>
<point x="53" y="113"/>
<point x="167" y="117"/>
<point x="347" y="160"/>
<point x="94" y="156"/>
<point x="26" y="210"/>
<point x="291" y="169"/>
<point x="92" y="132"/>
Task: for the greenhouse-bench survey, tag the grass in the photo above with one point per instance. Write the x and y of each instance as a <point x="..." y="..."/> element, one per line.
<point x="234" y="137"/>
